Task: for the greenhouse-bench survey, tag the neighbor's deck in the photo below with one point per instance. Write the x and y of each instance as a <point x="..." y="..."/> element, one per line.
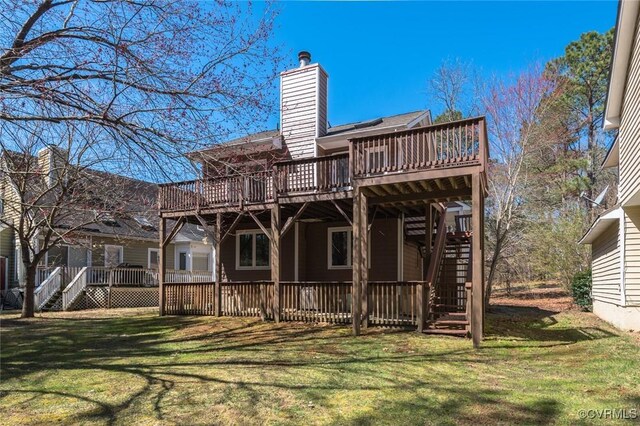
<point x="433" y="163"/>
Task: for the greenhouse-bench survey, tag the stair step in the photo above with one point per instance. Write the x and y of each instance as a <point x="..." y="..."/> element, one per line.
<point x="446" y="331"/>
<point x="450" y="322"/>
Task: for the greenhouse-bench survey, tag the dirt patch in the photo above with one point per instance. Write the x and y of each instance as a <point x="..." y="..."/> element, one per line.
<point x="545" y="296"/>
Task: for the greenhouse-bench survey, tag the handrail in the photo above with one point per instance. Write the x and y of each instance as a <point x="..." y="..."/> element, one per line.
<point x="48" y="288"/>
<point x="75" y="288"/>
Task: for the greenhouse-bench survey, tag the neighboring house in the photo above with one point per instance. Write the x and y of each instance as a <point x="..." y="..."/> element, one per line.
<point x="615" y="235"/>
<point x="297" y="213"/>
<point x="126" y="239"/>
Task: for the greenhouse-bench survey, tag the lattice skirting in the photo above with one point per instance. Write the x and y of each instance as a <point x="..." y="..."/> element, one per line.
<point x="104" y="297"/>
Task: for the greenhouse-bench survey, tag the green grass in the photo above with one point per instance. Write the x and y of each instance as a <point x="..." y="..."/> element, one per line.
<point x="535" y="367"/>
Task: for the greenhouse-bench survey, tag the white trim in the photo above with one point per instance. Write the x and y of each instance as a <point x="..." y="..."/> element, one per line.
<point x="120" y="257"/>
<point x="624" y="38"/>
<point x="622" y="254"/>
<point x="349" y="231"/>
<point x="600" y="225"/>
<point x="400" y="274"/>
<point x="252" y="232"/>
<point x="417" y="120"/>
<point x="296" y="248"/>
<point x="149" y="250"/>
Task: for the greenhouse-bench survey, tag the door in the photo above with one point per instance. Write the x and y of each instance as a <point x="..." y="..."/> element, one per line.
<point x="112" y="256"/>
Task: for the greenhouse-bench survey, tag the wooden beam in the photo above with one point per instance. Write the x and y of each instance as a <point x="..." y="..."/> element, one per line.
<point x="364" y="260"/>
<point x="297" y="199"/>
<point x="430" y="174"/>
<point x="232" y="227"/>
<point x="275" y="260"/>
<point x="422" y="196"/>
<point x="287" y="226"/>
<point x="342" y="213"/>
<point x="477" y="294"/>
<point x="174" y="231"/>
<point x="217" y="298"/>
<point x="356" y="263"/>
<point x="257" y="221"/>
<point x="162" y="265"/>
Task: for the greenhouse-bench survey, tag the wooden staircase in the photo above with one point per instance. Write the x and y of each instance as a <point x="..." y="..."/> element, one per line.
<point x="54" y="303"/>
<point x="448" y="313"/>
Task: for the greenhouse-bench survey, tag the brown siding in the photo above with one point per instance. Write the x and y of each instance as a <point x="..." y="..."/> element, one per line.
<point x="229" y="259"/>
<point x="412" y="263"/>
<point x="629" y="128"/>
<point x="606" y="266"/>
<point x="384" y="263"/>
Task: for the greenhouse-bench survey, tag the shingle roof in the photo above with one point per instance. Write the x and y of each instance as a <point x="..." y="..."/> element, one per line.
<point x="347" y="129"/>
<point x="379" y="123"/>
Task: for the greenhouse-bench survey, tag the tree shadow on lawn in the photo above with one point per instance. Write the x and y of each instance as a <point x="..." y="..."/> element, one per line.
<point x="538" y="327"/>
<point x="166" y="351"/>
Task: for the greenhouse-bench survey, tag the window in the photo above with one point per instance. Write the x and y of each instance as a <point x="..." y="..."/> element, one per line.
<point x="1" y="206"/>
<point x="200" y="262"/>
<point x="182" y="261"/>
<point x="339" y="248"/>
<point x="112" y="256"/>
<point x="252" y="250"/>
<point x="154" y="258"/>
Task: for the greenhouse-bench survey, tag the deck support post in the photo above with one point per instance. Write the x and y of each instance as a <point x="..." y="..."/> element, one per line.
<point x="162" y="264"/>
<point x="356" y="261"/>
<point x="364" y="259"/>
<point x="275" y="260"/>
<point x="477" y="239"/>
<point x="217" y="299"/>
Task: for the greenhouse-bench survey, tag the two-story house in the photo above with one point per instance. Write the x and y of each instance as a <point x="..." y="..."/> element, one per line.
<point x="615" y="235"/>
<point x="124" y="237"/>
<point x="373" y="222"/>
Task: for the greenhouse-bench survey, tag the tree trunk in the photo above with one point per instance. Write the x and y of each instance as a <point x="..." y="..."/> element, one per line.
<point x="28" y="307"/>
<point x="492" y="270"/>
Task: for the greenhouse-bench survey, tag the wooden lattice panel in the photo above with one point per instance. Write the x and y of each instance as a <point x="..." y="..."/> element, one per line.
<point x="136" y="297"/>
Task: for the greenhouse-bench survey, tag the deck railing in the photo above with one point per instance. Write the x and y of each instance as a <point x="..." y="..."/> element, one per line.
<point x="389" y="303"/>
<point x="453" y="144"/>
<point x="48" y="288"/>
<point x="313" y="174"/>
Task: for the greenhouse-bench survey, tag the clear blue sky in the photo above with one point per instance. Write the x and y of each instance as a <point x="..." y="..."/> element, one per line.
<point x="379" y="56"/>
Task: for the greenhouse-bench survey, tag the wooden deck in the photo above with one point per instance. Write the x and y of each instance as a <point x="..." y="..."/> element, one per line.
<point x="434" y="162"/>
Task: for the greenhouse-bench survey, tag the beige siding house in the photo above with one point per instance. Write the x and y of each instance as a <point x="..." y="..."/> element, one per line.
<point x="615" y="235"/>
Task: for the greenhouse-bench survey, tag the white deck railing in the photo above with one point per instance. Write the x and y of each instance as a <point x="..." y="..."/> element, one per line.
<point x="48" y="288"/>
<point x="174" y="276"/>
<point x="75" y="288"/>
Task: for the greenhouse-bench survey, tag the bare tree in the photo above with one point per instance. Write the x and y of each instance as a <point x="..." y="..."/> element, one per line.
<point x="124" y="86"/>
<point x="452" y="86"/>
<point x="514" y="109"/>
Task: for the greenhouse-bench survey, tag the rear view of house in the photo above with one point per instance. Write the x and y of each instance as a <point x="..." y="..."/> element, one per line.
<point x="615" y="235"/>
<point x="372" y="222"/>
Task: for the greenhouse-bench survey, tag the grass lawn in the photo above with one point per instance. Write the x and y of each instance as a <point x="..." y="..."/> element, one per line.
<point x="540" y="364"/>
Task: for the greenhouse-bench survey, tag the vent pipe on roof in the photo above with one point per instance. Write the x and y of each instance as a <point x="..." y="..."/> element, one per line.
<point x="305" y="58"/>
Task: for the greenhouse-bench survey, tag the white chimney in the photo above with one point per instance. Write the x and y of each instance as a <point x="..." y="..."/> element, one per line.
<point x="303" y="106"/>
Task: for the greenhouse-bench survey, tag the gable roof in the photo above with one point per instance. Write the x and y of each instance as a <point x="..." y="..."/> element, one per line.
<point x="392" y="121"/>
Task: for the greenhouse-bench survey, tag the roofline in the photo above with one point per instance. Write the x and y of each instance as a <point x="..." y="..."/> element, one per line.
<point x="623" y="44"/>
<point x="612" y="159"/>
<point x="372" y="130"/>
<point x="606" y="219"/>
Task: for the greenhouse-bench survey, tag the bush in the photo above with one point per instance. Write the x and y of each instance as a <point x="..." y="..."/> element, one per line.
<point x="581" y="289"/>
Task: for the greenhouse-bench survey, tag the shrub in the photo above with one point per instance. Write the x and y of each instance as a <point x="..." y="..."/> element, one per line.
<point x="581" y="289"/>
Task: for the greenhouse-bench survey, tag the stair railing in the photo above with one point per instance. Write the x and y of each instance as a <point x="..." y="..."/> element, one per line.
<point x="468" y="285"/>
<point x="75" y="288"/>
<point x="435" y="260"/>
<point x="50" y="286"/>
